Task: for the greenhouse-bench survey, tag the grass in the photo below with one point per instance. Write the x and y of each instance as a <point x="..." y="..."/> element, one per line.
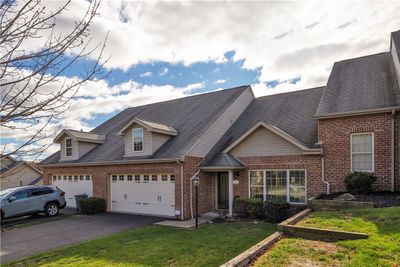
<point x="382" y="248"/>
<point x="211" y="245"/>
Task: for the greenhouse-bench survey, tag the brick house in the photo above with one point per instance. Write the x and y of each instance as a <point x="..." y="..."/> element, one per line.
<point x="289" y="146"/>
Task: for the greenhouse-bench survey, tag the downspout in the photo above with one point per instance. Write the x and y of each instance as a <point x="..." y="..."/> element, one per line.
<point x="393" y="149"/>
<point x="190" y="189"/>
<point x="328" y="185"/>
<point x="180" y="163"/>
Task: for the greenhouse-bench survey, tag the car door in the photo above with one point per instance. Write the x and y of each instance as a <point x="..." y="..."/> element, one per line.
<point x="37" y="199"/>
<point x="16" y="204"/>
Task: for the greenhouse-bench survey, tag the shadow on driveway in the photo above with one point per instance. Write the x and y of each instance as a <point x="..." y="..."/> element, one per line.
<point x="27" y="241"/>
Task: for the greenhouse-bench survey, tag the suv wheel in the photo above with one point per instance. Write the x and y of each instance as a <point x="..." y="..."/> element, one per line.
<point x="51" y="209"/>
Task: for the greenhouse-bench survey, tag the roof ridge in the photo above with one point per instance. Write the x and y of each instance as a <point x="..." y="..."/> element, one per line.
<point x="293" y="92"/>
<point x="243" y="87"/>
<point x="360" y="57"/>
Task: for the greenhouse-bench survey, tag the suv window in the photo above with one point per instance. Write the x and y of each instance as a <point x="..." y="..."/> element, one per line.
<point x="20" y="194"/>
<point x="40" y="192"/>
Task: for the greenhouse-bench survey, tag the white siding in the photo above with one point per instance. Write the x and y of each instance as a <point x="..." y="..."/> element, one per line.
<point x="75" y="150"/>
<point x="147" y="144"/>
<point x="158" y="140"/>
<point x="263" y="142"/>
<point x="396" y="60"/>
<point x="22" y="173"/>
<point x="221" y="125"/>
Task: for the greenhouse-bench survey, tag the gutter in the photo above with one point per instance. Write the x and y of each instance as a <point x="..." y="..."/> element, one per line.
<point x="328" y="185"/>
<point x="392" y="151"/>
<point x="358" y="112"/>
<point x="115" y="162"/>
<point x="191" y="193"/>
<point x="180" y="163"/>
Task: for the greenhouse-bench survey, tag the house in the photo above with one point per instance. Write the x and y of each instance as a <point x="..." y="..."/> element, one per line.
<point x="16" y="173"/>
<point x="289" y="146"/>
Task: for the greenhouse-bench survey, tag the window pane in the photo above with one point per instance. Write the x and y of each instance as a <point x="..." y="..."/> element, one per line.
<point x="114" y="178"/>
<point x="172" y="177"/>
<point x="297" y="194"/>
<point x="361" y="143"/>
<point x="137" y="139"/>
<point x="256" y="178"/>
<point x="297" y="178"/>
<point x="154" y="177"/>
<point x="276" y="185"/>
<point x="129" y="178"/>
<point x="146" y="178"/>
<point x="121" y="177"/>
<point x="362" y="162"/>
<point x="137" y="178"/>
<point x="256" y="192"/>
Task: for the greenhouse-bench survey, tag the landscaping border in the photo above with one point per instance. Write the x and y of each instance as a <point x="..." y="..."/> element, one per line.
<point x="327" y="205"/>
<point x="249" y="255"/>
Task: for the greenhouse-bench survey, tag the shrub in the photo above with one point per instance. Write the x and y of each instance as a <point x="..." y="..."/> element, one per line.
<point x="248" y="208"/>
<point x="359" y="182"/>
<point x="276" y="211"/>
<point x="92" y="205"/>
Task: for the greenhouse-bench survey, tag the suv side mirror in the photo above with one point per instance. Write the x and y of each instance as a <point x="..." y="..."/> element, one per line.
<point x="11" y="199"/>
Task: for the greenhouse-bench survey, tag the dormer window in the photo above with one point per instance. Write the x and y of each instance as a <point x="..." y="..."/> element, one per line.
<point x="68" y="147"/>
<point x="137" y="139"/>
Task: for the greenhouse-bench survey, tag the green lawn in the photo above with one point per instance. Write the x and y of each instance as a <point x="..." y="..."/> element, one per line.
<point x="211" y="245"/>
<point x="381" y="249"/>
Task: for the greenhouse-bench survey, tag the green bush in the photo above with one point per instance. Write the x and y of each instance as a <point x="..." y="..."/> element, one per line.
<point x="92" y="205"/>
<point x="359" y="182"/>
<point x="276" y="211"/>
<point x="248" y="208"/>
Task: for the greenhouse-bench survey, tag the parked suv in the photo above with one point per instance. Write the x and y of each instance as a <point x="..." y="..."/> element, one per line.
<point x="25" y="200"/>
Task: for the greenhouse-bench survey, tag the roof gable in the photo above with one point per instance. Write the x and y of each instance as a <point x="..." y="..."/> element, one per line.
<point x="150" y="126"/>
<point x="80" y="136"/>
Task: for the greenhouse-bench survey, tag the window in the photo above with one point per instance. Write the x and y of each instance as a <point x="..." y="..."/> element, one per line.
<point x="81" y="177"/>
<point x="285" y="185"/>
<point x="362" y="152"/>
<point x="137" y="178"/>
<point x="256" y="184"/>
<point x="54" y="177"/>
<point x="40" y="192"/>
<point x="276" y="185"/>
<point x="75" y="177"/>
<point x="164" y="177"/>
<point x="64" y="177"/>
<point x="172" y="178"/>
<point x="59" y="177"/>
<point x="69" y="177"/>
<point x="21" y="194"/>
<point x="68" y="147"/>
<point x="121" y="177"/>
<point x="87" y="177"/>
<point x="129" y="178"/>
<point x="137" y="136"/>
<point x="114" y="178"/>
<point x="154" y="177"/>
<point x="146" y="178"/>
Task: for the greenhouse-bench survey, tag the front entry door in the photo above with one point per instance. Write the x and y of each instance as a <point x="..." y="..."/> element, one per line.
<point x="222" y="190"/>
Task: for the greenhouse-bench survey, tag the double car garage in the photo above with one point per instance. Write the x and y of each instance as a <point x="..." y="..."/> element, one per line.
<point x="152" y="194"/>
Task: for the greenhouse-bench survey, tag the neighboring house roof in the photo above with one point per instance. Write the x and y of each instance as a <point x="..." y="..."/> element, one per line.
<point x="36" y="181"/>
<point x="190" y="116"/>
<point x="292" y="113"/>
<point x="81" y="136"/>
<point x="150" y="126"/>
<point x="5" y="169"/>
<point x="360" y="84"/>
<point x="396" y="39"/>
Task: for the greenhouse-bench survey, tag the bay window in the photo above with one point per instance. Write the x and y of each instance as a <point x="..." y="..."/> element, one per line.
<point x="284" y="185"/>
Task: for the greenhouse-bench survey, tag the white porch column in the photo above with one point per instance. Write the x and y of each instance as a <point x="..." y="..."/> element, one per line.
<point x="230" y="193"/>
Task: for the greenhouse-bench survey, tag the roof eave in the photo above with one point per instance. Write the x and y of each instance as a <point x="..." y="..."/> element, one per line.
<point x="221" y="168"/>
<point x="358" y="112"/>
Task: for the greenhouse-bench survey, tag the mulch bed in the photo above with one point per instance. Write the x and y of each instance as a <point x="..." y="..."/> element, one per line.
<point x="381" y="199"/>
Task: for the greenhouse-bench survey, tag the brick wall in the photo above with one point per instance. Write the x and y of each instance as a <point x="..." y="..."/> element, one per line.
<point x="311" y="163"/>
<point x="335" y="134"/>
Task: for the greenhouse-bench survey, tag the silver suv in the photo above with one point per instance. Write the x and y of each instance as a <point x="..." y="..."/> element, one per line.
<point x="25" y="200"/>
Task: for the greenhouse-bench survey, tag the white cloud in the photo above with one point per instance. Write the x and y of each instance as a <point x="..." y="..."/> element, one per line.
<point x="163" y="71"/>
<point x="146" y="74"/>
<point x="221" y="81"/>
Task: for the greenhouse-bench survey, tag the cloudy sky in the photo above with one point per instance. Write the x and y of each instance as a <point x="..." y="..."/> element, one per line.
<point x="165" y="50"/>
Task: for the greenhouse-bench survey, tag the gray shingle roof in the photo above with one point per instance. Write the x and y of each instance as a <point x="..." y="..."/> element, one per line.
<point x="363" y="83"/>
<point x="190" y="116"/>
<point x="291" y="112"/>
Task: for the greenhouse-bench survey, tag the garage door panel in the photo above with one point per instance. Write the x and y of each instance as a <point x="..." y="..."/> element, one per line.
<point x="150" y="197"/>
<point x="73" y="187"/>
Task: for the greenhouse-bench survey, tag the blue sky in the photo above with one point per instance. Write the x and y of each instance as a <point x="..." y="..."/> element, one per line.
<point x="170" y="49"/>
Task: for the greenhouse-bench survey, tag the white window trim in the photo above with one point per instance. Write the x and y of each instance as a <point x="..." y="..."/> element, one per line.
<point x="373" y="151"/>
<point x="133" y="140"/>
<point x="287" y="184"/>
<point x="72" y="145"/>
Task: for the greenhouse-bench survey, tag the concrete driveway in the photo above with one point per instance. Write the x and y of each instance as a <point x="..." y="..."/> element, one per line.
<point x="18" y="243"/>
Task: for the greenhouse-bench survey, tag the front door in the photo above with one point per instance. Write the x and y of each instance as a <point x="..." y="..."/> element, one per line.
<point x="222" y="190"/>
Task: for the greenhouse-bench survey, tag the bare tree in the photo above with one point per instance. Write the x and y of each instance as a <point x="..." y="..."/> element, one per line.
<point x="34" y="90"/>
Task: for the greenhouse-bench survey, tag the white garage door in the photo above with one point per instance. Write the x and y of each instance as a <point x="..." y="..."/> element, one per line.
<point x="145" y="194"/>
<point x="74" y="185"/>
